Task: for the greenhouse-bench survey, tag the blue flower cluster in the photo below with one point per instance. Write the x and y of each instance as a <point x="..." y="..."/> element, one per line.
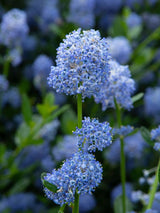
<point x="123" y="52"/>
<point x="66" y="148"/>
<point x="13" y="27"/>
<point x="81" y="173"/>
<point x="3" y="83"/>
<point x="82" y="13"/>
<point x="134" y="20"/>
<point x="120" y="86"/>
<point x="93" y="135"/>
<point x="151" y="103"/>
<point x="82" y="64"/>
<point x="41" y="67"/>
<point x="123" y="130"/>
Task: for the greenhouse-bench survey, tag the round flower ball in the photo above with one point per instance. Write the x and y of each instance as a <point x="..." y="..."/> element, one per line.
<point x="81" y="64"/>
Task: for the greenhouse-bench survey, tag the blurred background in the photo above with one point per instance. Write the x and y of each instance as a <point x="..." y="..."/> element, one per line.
<point x="36" y="123"/>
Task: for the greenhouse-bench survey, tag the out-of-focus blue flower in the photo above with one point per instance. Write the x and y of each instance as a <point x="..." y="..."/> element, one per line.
<point x="29" y="44"/>
<point x="15" y="56"/>
<point x="82" y="13"/>
<point x="151" y="103"/>
<point x="12" y="97"/>
<point x="117" y="191"/>
<point x="3" y="83"/>
<point x="105" y="6"/>
<point x="124" y="130"/>
<point x="155" y="133"/>
<point x="82" y="64"/>
<point x="81" y="173"/>
<point x="93" y="135"/>
<point x="151" y="211"/>
<point x="49" y="131"/>
<point x="120" y="86"/>
<point x="21" y="202"/>
<point x="47" y="163"/>
<point x="14" y="27"/>
<point x="113" y="153"/>
<point x="66" y="148"/>
<point x="152" y="21"/>
<point x="106" y="20"/>
<point x="134" y="20"/>
<point x="156" y="202"/>
<point x="87" y="202"/>
<point x="49" y="15"/>
<point x="134" y="3"/>
<point x="152" y="2"/>
<point x="41" y="68"/>
<point x="123" y="52"/>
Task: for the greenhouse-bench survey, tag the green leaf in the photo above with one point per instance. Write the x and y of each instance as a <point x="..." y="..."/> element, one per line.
<point x="22" y="133"/>
<point x="118" y="205"/>
<point x="61" y="210"/>
<point x="2" y="152"/>
<point x="49" y="99"/>
<point x="48" y="185"/>
<point x="137" y="97"/>
<point x="26" y="109"/>
<point x="159" y="174"/>
<point x="69" y="122"/>
<point x="134" y="32"/>
<point x="146" y="135"/>
<point x="119" y="27"/>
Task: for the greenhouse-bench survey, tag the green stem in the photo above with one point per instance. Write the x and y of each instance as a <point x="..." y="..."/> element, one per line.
<point x="79" y="112"/>
<point x="61" y="210"/>
<point x="154" y="188"/>
<point x="6" y="67"/>
<point x="122" y="164"/>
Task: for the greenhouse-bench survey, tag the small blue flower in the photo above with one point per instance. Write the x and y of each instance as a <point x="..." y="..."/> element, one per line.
<point x="41" y="68"/>
<point x="82" y="13"/>
<point x="123" y="52"/>
<point x="120" y="86"/>
<point x="66" y="148"/>
<point x="87" y="202"/>
<point x="15" y="56"/>
<point x="12" y="97"/>
<point x="81" y="173"/>
<point x="155" y="133"/>
<point x="82" y="64"/>
<point x="3" y="83"/>
<point x="93" y="135"/>
<point x="14" y="27"/>
<point x="123" y="130"/>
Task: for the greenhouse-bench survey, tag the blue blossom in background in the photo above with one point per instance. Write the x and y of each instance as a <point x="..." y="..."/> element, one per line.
<point x="82" y="64"/>
<point x="14" y="27"/>
<point x="82" y="13"/>
<point x="15" y="56"/>
<point x="21" y="202"/>
<point x="11" y="97"/>
<point x="93" y="135"/>
<point x="155" y="134"/>
<point x="152" y="21"/>
<point x="105" y="6"/>
<point x="123" y="130"/>
<point x="151" y="103"/>
<point x="120" y="86"/>
<point x="81" y="172"/>
<point x="87" y="202"/>
<point x="156" y="202"/>
<point x="66" y="148"/>
<point x="41" y="68"/>
<point x="106" y="20"/>
<point x="49" y="15"/>
<point x="49" y="130"/>
<point x="47" y="163"/>
<point x="134" y="3"/>
<point x="134" y="20"/>
<point x="123" y="52"/>
<point x="3" y="83"/>
<point x="151" y="211"/>
<point x="117" y="191"/>
<point x="29" y="44"/>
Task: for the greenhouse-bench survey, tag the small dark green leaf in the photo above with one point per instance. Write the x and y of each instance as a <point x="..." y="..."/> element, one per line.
<point x="61" y="210"/>
<point x="20" y="186"/>
<point x="26" y="109"/>
<point x="48" y="185"/>
<point x="137" y="97"/>
<point x="159" y="174"/>
<point x="118" y="205"/>
<point x="49" y="99"/>
<point x="146" y="135"/>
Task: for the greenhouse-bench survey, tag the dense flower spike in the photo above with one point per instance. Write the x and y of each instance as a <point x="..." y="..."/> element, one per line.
<point x="81" y="173"/>
<point x="14" y="27"/>
<point x="120" y="86"/>
<point x="3" y="83"/>
<point x="82" y="64"/>
<point x="123" y="52"/>
<point x="93" y="135"/>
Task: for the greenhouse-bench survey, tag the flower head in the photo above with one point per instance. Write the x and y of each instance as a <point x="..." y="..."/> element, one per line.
<point x="81" y="173"/>
<point x="3" y="83"/>
<point x="14" y="27"/>
<point x="93" y="135"/>
<point x="120" y="86"/>
<point x="82" y="64"/>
